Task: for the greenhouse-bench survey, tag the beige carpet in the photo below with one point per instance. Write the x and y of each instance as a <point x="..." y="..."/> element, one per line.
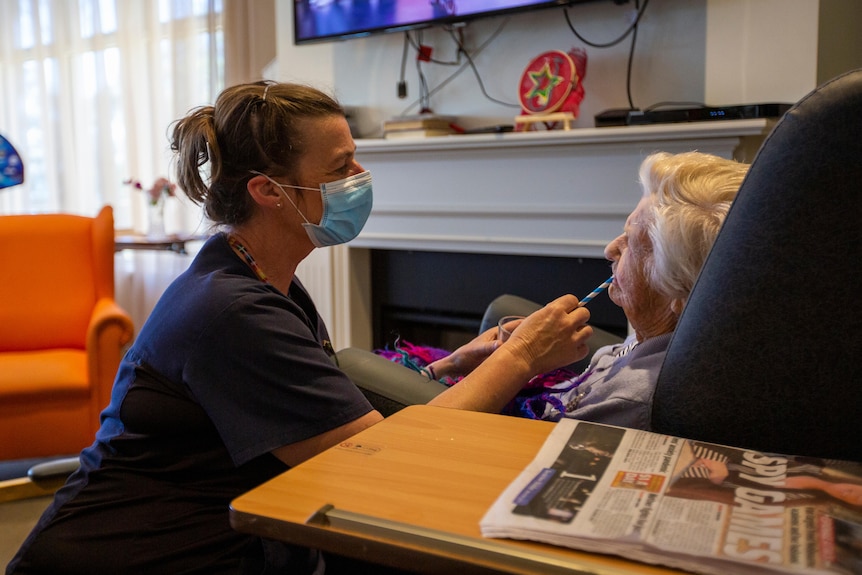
<point x="17" y="518"/>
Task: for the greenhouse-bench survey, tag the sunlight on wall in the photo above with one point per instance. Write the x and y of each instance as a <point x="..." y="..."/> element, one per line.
<point x="141" y="277"/>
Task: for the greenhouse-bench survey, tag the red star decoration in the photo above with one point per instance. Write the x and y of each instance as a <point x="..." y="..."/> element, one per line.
<point x="544" y="83"/>
<point x="552" y="83"/>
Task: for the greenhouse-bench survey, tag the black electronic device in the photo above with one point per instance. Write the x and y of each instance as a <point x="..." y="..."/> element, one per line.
<point x="497" y="129"/>
<point x="323" y="20"/>
<point x="627" y="117"/>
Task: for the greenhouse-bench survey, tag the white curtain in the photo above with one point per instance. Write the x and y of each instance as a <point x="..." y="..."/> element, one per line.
<point x="88" y="90"/>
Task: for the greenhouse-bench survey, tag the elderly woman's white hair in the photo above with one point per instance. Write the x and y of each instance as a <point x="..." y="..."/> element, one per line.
<point x="692" y="193"/>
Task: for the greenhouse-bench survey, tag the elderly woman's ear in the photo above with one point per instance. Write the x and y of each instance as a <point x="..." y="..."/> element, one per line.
<point x="676" y="306"/>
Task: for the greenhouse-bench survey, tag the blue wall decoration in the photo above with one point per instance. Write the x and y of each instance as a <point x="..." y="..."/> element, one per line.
<point x="11" y="166"/>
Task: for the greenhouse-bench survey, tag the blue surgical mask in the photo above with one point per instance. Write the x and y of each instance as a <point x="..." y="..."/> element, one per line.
<point x="346" y="207"/>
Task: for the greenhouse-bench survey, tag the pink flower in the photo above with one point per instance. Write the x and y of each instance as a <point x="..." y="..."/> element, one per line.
<point x="161" y="188"/>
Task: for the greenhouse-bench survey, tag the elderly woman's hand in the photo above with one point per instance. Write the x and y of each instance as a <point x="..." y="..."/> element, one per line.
<point x="466" y="358"/>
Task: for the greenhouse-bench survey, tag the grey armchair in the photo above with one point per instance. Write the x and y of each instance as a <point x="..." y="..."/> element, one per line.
<point x="767" y="351"/>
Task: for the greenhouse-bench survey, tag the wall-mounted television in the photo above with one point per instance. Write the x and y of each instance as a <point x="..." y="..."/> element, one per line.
<point x="321" y="20"/>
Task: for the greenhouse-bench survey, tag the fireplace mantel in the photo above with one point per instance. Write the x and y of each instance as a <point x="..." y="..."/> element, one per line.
<point x="548" y="193"/>
<point x="558" y="193"/>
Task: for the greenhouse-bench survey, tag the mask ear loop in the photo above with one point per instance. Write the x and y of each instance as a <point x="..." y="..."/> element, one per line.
<point x="281" y="187"/>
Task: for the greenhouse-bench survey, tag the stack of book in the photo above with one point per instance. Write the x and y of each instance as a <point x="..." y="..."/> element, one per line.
<point x="420" y="126"/>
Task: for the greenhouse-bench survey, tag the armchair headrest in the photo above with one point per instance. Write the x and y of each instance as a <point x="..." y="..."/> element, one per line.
<point x="55" y="267"/>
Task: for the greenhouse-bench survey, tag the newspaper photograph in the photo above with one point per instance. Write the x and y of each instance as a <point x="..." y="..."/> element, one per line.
<point x="691" y="505"/>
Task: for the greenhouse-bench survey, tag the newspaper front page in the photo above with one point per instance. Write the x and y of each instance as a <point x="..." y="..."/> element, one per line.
<point x="697" y="506"/>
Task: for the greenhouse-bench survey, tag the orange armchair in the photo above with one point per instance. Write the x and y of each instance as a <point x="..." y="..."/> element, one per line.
<point x="61" y="332"/>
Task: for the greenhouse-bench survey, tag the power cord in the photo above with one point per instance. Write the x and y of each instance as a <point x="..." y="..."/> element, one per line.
<point x="425" y="93"/>
<point x="472" y="64"/>
<point x="402" y="82"/>
<point x="418" y="48"/>
<point x="632" y="29"/>
<point x="461" y="67"/>
<point x="424" y="97"/>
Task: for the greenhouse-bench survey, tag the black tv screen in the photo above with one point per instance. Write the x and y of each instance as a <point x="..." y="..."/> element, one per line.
<point x="318" y="20"/>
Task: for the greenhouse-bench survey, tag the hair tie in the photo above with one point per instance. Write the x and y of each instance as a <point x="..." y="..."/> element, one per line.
<point x="264" y="91"/>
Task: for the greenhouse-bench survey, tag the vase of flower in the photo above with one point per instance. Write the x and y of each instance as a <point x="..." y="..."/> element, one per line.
<point x="156" y="220"/>
<point x="157" y="195"/>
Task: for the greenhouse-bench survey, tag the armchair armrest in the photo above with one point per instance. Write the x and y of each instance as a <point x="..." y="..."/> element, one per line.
<point x="388" y="386"/>
<point x="52" y="475"/>
<point x="108" y="333"/>
<point x="42" y="479"/>
<point x="109" y="325"/>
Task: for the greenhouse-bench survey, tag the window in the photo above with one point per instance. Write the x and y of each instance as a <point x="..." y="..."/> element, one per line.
<point x="88" y="90"/>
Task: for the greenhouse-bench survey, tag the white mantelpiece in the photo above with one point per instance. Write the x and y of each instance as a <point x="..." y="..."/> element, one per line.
<point x="558" y="193"/>
<point x="549" y="193"/>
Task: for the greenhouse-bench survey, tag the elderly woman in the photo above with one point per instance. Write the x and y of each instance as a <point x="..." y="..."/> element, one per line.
<point x="655" y="263"/>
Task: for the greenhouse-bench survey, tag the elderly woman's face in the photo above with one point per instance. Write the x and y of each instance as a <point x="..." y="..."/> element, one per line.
<point x="646" y="310"/>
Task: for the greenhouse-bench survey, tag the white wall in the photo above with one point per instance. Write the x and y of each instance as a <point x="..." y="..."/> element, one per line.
<point x="717" y="52"/>
<point x="307" y="64"/>
<point x="762" y="50"/>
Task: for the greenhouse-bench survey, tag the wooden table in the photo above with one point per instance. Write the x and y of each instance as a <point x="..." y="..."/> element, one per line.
<point x="409" y="492"/>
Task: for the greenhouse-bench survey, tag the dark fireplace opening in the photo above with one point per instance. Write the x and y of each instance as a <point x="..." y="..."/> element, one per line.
<point x="438" y="298"/>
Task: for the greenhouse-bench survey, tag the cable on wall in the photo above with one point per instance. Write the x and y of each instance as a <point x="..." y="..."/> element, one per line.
<point x="463" y="66"/>
<point x="424" y="96"/>
<point x="632" y="29"/>
<point x="402" y="82"/>
<point x="472" y="65"/>
<point x="425" y="92"/>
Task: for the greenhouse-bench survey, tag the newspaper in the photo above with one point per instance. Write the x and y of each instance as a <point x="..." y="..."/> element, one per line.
<point x="690" y="505"/>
